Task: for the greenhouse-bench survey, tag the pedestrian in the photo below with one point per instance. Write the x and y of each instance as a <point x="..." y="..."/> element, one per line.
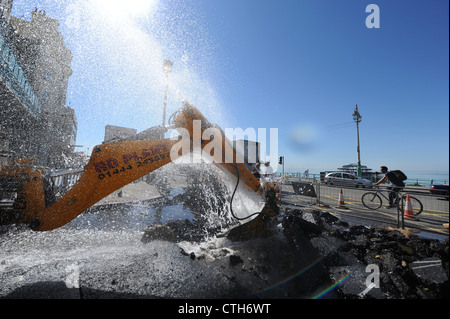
<point x="396" y="185"/>
<point x="268" y="173"/>
<point x="269" y="170"/>
<point x="375" y="177"/>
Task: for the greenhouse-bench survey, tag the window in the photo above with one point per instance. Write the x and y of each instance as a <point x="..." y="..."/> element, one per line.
<point x="44" y="97"/>
<point x="21" y="78"/>
<point x="6" y="53"/>
<point x="12" y="61"/>
<point x="2" y="41"/>
<point x="47" y="75"/>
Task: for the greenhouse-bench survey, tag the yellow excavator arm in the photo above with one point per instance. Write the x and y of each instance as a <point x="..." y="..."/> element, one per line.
<point x="111" y="167"/>
<point x="117" y="164"/>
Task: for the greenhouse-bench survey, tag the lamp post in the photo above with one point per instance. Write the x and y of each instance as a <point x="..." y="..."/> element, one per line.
<point x="167" y="69"/>
<point x="357" y="118"/>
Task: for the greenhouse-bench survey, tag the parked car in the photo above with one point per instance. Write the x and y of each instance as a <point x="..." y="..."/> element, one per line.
<point x="346" y="179"/>
<point x="437" y="189"/>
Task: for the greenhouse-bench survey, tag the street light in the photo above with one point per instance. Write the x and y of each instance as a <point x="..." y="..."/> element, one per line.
<point x="357" y="118"/>
<point x="167" y="69"/>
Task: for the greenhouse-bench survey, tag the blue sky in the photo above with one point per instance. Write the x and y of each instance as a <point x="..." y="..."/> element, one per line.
<point x="297" y="65"/>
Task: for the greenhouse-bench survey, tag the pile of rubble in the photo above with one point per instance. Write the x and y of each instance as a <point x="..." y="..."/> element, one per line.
<point x="308" y="254"/>
<point x="406" y="265"/>
<point x="357" y="261"/>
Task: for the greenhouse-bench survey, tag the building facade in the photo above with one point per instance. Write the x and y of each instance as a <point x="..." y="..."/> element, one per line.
<point x="20" y="107"/>
<point x="118" y="133"/>
<point x="5" y="9"/>
<point x="46" y="63"/>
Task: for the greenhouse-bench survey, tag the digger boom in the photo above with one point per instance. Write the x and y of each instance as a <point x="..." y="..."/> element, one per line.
<point x="114" y="165"/>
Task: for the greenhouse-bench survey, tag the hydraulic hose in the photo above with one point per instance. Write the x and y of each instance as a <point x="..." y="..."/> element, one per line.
<point x="232" y="197"/>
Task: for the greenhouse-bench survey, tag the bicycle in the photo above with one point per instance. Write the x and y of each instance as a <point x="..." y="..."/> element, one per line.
<point x="373" y="200"/>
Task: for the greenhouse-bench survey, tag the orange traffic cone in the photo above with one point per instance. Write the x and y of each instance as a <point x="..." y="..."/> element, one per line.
<point x="408" y="208"/>
<point x="341" y="202"/>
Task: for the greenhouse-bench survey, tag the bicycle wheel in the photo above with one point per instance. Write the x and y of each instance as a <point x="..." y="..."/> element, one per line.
<point x="371" y="200"/>
<point x="417" y="206"/>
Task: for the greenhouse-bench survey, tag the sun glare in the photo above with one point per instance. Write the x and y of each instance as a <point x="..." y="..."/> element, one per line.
<point x="119" y="9"/>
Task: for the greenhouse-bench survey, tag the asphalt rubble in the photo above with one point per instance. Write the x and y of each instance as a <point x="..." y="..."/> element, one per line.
<point x="313" y="254"/>
<point x="410" y="267"/>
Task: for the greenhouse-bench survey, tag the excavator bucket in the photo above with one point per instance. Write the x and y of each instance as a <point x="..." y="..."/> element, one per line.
<point x="259" y="226"/>
<point x="229" y="161"/>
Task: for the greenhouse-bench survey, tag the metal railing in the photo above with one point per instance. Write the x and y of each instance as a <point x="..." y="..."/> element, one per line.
<point x="309" y="192"/>
<point x="63" y="180"/>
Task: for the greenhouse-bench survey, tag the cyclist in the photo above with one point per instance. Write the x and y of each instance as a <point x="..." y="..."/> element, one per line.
<point x="397" y="185"/>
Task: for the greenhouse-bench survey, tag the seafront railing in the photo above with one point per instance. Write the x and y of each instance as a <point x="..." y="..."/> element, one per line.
<point x="425" y="182"/>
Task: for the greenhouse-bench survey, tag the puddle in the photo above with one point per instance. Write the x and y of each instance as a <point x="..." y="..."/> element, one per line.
<point x="434" y="236"/>
<point x="175" y="192"/>
<point x="131" y="218"/>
